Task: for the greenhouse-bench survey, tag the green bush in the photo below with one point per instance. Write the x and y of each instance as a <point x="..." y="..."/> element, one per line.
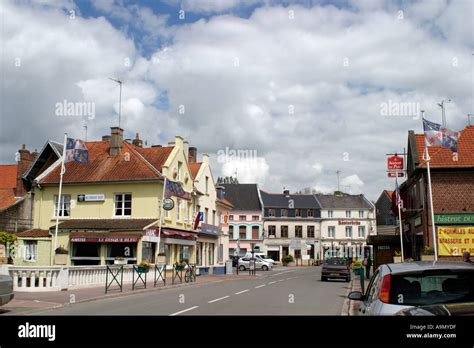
<point x="287" y="259"/>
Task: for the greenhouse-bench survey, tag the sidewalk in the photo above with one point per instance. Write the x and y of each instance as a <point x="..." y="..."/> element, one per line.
<point x="350" y="307"/>
<point x="26" y="302"/>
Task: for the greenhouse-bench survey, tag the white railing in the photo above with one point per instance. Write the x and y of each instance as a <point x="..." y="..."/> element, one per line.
<point x="30" y="278"/>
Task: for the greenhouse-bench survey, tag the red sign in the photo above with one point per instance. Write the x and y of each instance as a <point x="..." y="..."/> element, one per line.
<point x="349" y="222"/>
<point x="395" y="163"/>
<point x="395" y="174"/>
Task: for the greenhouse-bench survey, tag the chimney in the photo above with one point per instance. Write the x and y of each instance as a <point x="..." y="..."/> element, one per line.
<point x="106" y="138"/>
<point x="25" y="159"/>
<point x="286" y="193"/>
<point x="192" y="157"/>
<point x="116" y="140"/>
<point x="205" y="158"/>
<point x="137" y="141"/>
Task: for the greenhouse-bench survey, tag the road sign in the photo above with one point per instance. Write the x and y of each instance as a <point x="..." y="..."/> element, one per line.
<point x="395" y="163"/>
<point x="395" y="174"/>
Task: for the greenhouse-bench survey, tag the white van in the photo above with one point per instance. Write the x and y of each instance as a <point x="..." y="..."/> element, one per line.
<point x="262" y="257"/>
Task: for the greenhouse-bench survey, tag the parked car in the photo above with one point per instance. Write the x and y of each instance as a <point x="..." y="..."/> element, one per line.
<point x="6" y="289"/>
<point x="244" y="263"/>
<point x="398" y="286"/>
<point x="261" y="256"/>
<point x="336" y="268"/>
<point x="440" y="309"/>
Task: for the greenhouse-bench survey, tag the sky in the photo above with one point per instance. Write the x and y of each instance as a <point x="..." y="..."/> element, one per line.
<point x="281" y="93"/>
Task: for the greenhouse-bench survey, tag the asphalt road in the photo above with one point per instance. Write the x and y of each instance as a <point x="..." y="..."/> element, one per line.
<point x="283" y="291"/>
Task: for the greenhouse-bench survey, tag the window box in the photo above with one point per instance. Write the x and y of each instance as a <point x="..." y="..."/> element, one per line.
<point x="60" y="259"/>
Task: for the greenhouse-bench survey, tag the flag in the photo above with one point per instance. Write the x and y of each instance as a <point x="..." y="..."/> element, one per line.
<point x="436" y="135"/>
<point x="398" y="199"/>
<point x="197" y="219"/>
<point x="76" y="150"/>
<point x="174" y="188"/>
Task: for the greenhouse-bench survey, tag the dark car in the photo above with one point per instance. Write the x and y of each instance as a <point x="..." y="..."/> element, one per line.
<point x="460" y="309"/>
<point x="336" y="268"/>
<point x="6" y="289"/>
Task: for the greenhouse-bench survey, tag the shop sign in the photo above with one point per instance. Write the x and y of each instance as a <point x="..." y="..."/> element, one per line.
<point x="395" y="163"/>
<point x="91" y="198"/>
<point x="168" y="204"/>
<point x="454" y="240"/>
<point x="349" y="222"/>
<point x="455" y="219"/>
<point x="151" y="235"/>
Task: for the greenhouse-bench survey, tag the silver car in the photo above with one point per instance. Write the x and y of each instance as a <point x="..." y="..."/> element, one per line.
<point x="244" y="263"/>
<point x="6" y="289"/>
<point x="397" y="286"/>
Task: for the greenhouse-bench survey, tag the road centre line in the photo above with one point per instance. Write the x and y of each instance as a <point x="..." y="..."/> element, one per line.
<point x="272" y="282"/>
<point x="260" y="286"/>
<point x="241" y="292"/>
<point x="185" y="310"/>
<point x="218" y="299"/>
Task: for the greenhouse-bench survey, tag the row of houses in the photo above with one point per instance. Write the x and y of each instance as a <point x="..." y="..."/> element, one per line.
<point x="110" y="208"/>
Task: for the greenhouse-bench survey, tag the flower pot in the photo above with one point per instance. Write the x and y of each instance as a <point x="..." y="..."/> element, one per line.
<point x="357" y="271"/>
<point x="142" y="269"/>
<point x="60" y="259"/>
<point x="179" y="268"/>
<point x="397" y="259"/>
<point x="427" y="257"/>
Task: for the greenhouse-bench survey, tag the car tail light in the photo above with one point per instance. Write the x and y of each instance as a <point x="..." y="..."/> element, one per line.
<point x="384" y="293"/>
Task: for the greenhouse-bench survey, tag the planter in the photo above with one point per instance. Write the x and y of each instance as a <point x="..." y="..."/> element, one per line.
<point x="60" y="259"/>
<point x="427" y="257"/>
<point x="179" y="268"/>
<point x="397" y="259"/>
<point x="120" y="262"/>
<point x="142" y="269"/>
<point x="357" y="271"/>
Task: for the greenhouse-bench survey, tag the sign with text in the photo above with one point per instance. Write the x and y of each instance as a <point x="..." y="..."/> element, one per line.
<point x="455" y="219"/>
<point x="454" y="240"/>
<point x="395" y="163"/>
<point x="395" y="174"/>
<point x="349" y="222"/>
<point x="91" y="198"/>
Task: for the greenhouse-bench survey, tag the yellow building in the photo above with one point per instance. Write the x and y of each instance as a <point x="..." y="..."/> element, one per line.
<point x="110" y="207"/>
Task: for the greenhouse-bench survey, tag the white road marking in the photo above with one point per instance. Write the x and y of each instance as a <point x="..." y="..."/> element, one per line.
<point x="241" y="292"/>
<point x="281" y="280"/>
<point x="218" y="299"/>
<point x="185" y="310"/>
<point x="260" y="286"/>
<point x="276" y="274"/>
<point x="272" y="282"/>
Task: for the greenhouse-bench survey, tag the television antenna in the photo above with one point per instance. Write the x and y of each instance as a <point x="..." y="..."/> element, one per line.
<point x="120" y="97"/>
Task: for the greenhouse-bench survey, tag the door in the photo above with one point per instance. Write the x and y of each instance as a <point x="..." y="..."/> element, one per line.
<point x="371" y="294"/>
<point x="284" y="251"/>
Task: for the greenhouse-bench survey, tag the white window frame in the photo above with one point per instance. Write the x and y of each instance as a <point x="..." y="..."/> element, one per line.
<point x="362" y="229"/>
<point x="349" y="229"/>
<point x="123" y="205"/>
<point x="348" y="214"/>
<point x="331" y="231"/>
<point x="30" y="250"/>
<point x="63" y="206"/>
<point x="361" y="214"/>
<point x="178" y="210"/>
<point x="330" y="213"/>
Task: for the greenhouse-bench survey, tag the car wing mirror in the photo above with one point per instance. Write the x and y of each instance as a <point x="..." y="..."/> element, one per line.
<point x="356" y="296"/>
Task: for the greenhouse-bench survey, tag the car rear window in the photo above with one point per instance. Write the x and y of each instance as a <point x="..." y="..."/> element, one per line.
<point x="337" y="262"/>
<point x="432" y="288"/>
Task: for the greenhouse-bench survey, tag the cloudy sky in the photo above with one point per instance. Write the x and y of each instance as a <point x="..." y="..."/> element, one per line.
<point x="284" y="93"/>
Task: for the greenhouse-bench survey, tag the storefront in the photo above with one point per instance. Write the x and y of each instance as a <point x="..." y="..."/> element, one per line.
<point x="207" y="247"/>
<point x="455" y="234"/>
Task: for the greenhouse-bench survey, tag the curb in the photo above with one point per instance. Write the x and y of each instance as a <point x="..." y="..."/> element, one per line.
<point x="346" y="306"/>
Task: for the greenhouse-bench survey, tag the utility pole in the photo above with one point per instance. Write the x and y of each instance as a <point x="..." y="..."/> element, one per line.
<point x="120" y="97"/>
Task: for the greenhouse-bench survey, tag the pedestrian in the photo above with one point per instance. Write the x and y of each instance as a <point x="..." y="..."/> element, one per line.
<point x="367" y="263"/>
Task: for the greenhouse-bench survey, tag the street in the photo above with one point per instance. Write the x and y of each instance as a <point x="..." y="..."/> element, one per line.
<point x="283" y="291"/>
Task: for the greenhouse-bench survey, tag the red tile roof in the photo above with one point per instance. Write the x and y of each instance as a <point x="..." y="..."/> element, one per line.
<point x="132" y="164"/>
<point x="34" y="233"/>
<point x="7" y="198"/>
<point x="194" y="166"/>
<point x="389" y="193"/>
<point x="442" y="157"/>
<point x="8" y="176"/>
<point x="225" y="201"/>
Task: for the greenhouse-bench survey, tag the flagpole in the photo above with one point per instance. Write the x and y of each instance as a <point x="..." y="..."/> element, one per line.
<point x="400" y="219"/>
<point x="433" y="227"/>
<point x="161" y="214"/>
<point x="60" y="192"/>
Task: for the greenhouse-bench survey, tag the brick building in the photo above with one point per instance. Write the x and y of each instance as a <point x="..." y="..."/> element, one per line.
<point x="452" y="179"/>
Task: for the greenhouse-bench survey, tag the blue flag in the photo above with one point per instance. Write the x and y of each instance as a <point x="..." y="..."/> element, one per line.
<point x="174" y="188"/>
<point x="437" y="135"/>
<point x="76" y="150"/>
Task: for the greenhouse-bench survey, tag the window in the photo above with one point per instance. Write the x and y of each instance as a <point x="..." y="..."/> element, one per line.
<point x="242" y="232"/>
<point x="348" y="213"/>
<point x="284" y="212"/>
<point x="349" y="231"/>
<point x="180" y="165"/>
<point x="206" y="216"/>
<point x="64" y="206"/>
<point x="421" y="193"/>
<point x="271" y="212"/>
<point x="272" y="230"/>
<point x="198" y="253"/>
<point x="242" y="218"/>
<point x="220" y="253"/>
<point x="254" y="232"/>
<point x="310" y="213"/>
<point x="207" y="185"/>
<point x="362" y="231"/>
<point x="331" y="231"/>
<point x="298" y="231"/>
<point x="178" y="210"/>
<point x="231" y="217"/>
<point x="210" y="251"/>
<point x="30" y="250"/>
<point x="361" y="213"/>
<point x="298" y="212"/>
<point x="123" y="204"/>
<point x="213" y="217"/>
<point x="284" y="231"/>
<point x="310" y="231"/>
<point x="330" y="213"/>
<point x="255" y="218"/>
<point x="297" y="253"/>
<point x="231" y="232"/>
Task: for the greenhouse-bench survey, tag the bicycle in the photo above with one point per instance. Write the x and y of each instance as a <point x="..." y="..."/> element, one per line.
<point x="190" y="274"/>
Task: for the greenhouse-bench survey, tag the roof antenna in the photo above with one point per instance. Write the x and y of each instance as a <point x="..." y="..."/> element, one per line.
<point x="84" y="125"/>
<point x="120" y="97"/>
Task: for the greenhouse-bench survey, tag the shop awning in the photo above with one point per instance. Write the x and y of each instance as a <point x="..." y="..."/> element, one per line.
<point x="179" y="234"/>
<point x="209" y="231"/>
<point x="105" y="237"/>
<point x="273" y="248"/>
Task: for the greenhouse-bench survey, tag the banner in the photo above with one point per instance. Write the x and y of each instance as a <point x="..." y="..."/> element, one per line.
<point x="453" y="241"/>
